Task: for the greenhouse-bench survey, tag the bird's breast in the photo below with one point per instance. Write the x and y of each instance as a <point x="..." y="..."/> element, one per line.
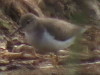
<point x="51" y="42"/>
<point x="48" y="42"/>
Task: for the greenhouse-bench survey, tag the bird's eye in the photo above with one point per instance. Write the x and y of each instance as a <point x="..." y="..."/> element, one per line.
<point x="28" y="21"/>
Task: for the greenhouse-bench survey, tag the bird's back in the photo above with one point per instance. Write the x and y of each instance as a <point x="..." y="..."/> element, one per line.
<point x="61" y="30"/>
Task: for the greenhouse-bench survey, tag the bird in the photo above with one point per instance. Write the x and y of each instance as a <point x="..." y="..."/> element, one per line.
<point x="49" y="34"/>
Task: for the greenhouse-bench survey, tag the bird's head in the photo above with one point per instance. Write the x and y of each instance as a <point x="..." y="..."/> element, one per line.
<point x="27" y="19"/>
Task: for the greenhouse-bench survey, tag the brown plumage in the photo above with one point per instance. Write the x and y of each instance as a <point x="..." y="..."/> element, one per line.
<point x="49" y="34"/>
<point x="60" y="29"/>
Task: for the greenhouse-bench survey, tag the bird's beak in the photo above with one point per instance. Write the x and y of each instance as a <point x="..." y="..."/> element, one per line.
<point x="16" y="31"/>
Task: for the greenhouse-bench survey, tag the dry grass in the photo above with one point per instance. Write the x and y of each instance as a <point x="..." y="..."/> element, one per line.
<point x="15" y="9"/>
<point x="87" y="49"/>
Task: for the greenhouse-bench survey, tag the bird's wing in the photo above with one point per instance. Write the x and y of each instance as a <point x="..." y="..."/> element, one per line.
<point x="61" y="30"/>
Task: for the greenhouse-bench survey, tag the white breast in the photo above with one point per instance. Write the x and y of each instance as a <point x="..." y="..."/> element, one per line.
<point x="49" y="40"/>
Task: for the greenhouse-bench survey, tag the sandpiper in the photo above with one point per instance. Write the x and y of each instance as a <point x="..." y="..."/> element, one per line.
<point x="49" y="34"/>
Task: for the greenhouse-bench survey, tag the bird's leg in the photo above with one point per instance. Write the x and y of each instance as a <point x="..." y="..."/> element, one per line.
<point x="54" y="59"/>
<point x="36" y="54"/>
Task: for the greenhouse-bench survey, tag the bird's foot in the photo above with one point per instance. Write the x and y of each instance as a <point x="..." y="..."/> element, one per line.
<point x="54" y="59"/>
